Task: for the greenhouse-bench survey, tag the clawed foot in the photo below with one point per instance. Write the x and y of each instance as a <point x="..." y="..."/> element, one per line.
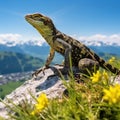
<point x="39" y="70"/>
<point x="57" y="71"/>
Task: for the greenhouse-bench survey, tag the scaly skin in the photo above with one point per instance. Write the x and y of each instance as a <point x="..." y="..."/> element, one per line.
<point x="64" y="44"/>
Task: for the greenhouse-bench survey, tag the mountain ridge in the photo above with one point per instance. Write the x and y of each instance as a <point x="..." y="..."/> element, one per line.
<point x="42" y="50"/>
<point x="11" y="62"/>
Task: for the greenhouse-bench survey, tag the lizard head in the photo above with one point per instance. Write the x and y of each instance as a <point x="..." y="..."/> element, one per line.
<point x="43" y="24"/>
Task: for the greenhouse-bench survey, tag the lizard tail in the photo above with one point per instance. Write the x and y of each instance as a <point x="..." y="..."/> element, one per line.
<point x="106" y="65"/>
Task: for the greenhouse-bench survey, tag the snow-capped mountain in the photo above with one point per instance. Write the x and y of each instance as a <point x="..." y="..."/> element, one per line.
<point x="39" y="48"/>
<point x="11" y="40"/>
<point x="96" y="43"/>
<point x="13" y="43"/>
<point x="99" y="43"/>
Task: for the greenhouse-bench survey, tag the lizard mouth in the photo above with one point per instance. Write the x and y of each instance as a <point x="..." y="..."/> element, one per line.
<point x="42" y="23"/>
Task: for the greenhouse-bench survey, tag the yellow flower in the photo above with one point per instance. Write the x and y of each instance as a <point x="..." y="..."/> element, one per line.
<point x="42" y="102"/>
<point x="100" y="77"/>
<point x="96" y="77"/>
<point x="113" y="94"/>
<point x="111" y="60"/>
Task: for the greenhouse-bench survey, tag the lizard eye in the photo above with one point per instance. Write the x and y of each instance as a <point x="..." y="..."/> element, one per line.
<point x="45" y="22"/>
<point x="40" y="19"/>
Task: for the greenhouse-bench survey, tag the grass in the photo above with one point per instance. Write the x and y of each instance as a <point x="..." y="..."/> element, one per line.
<point x="96" y="98"/>
<point x="9" y="87"/>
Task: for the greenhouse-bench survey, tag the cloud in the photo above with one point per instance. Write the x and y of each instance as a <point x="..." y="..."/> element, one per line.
<point x="38" y="40"/>
<point x="114" y="38"/>
<point x="9" y="38"/>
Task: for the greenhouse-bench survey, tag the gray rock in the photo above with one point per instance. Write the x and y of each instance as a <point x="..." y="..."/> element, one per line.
<point x="48" y="83"/>
<point x="88" y="66"/>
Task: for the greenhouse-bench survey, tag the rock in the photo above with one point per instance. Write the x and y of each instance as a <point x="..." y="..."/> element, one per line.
<point x="117" y="79"/>
<point x="48" y="83"/>
<point x="88" y="66"/>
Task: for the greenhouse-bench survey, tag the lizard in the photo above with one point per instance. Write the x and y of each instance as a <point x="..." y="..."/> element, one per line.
<point x="64" y="44"/>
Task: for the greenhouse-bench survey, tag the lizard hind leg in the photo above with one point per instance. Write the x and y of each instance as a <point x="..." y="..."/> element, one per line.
<point x="88" y="66"/>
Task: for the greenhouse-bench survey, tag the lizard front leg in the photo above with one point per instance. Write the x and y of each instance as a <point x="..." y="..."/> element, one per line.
<point x="67" y="53"/>
<point x="50" y="57"/>
<point x="48" y="61"/>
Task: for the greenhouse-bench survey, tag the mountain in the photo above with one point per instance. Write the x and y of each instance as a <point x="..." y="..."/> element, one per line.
<point x="11" y="62"/>
<point x="100" y="43"/>
<point x="17" y="56"/>
<point x="41" y="50"/>
<point x="113" y="50"/>
<point x="31" y="49"/>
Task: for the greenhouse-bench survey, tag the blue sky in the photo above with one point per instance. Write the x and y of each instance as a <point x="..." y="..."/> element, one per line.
<point x="86" y="19"/>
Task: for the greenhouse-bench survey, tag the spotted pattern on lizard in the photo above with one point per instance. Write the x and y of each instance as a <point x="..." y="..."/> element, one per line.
<point x="64" y="44"/>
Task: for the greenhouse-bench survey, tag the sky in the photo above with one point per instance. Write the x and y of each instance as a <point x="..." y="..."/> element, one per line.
<point x="83" y="19"/>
